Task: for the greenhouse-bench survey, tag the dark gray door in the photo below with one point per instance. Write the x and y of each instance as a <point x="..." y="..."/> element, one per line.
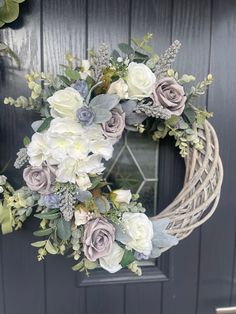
<point x="200" y="272"/>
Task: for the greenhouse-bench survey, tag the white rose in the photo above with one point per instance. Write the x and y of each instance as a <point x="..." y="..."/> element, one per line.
<point x="122" y="196"/>
<point x="119" y="88"/>
<point x="3" y="180"/>
<point x="111" y="263"/>
<point x="140" y="80"/>
<point x="1" y="189"/>
<point x="83" y="181"/>
<point x="65" y="103"/>
<point x="85" y="69"/>
<point x="137" y="232"/>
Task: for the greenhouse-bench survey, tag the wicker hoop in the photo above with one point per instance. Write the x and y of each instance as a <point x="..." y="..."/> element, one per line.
<point x="200" y="194"/>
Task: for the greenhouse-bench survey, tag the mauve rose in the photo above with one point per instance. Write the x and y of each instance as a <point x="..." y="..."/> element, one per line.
<point x="39" y="179"/>
<point x="170" y="95"/>
<point x="115" y="126"/>
<point x="98" y="238"/>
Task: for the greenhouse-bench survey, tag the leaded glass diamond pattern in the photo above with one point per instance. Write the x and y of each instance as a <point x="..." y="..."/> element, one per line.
<point x="134" y="166"/>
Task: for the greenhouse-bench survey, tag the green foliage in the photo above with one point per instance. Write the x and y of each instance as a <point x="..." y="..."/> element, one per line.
<point x="127" y="258"/>
<point x="65" y="80"/>
<point x="200" y="88"/>
<point x="126" y="49"/>
<point x="45" y="125"/>
<point x="189" y="114"/>
<point x="63" y="229"/>
<point x="7" y="51"/>
<point x="39" y="244"/>
<point x="26" y="141"/>
<point x="142" y="44"/>
<point x="72" y="74"/>
<point x="51" y="249"/>
<point x="48" y="215"/>
<point x="9" y="12"/>
<point x="43" y="232"/>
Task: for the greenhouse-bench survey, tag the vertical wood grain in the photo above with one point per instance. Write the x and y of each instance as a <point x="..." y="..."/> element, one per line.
<point x="22" y="274"/>
<point x="2" y="292"/>
<point x="218" y="234"/>
<point x="108" y="21"/>
<point x="191" y="26"/>
<point x="64" y="30"/>
<point x="150" y="17"/>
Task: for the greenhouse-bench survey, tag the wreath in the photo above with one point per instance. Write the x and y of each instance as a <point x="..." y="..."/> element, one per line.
<point x="84" y="113"/>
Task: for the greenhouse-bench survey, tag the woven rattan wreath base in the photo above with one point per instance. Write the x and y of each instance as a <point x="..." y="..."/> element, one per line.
<point x="200" y="194"/>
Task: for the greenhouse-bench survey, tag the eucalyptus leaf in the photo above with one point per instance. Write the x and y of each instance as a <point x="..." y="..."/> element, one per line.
<point x="43" y="232"/>
<point x="38" y="243"/>
<point x="90" y="265"/>
<point x="79" y="266"/>
<point x="72" y="74"/>
<point x="64" y="229"/>
<point x="134" y="118"/>
<point x="18" y="1"/>
<point x="140" y="57"/>
<point x="190" y="114"/>
<point x="172" y="121"/>
<point x="115" y="54"/>
<point x="48" y="216"/>
<point x="64" y="79"/>
<point x="125" y="48"/>
<point x="50" y="248"/>
<point x="26" y="141"/>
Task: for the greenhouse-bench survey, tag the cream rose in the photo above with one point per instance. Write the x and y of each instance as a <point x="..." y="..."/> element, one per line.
<point x="136" y="232"/>
<point x="111" y="263"/>
<point x="65" y="103"/>
<point x="3" y="180"/>
<point x="122" y="196"/>
<point x="83" y="181"/>
<point x="81" y="217"/>
<point x="85" y="69"/>
<point x="140" y="81"/>
<point x="119" y="88"/>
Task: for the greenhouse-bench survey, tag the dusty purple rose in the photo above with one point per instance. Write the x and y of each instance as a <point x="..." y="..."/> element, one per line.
<point x="52" y="200"/>
<point x="98" y="238"/>
<point x="85" y="115"/>
<point x="170" y="95"/>
<point x="115" y="126"/>
<point x="39" y="179"/>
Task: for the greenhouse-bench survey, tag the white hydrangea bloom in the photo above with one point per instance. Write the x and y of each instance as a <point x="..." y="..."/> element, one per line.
<point x="75" y="150"/>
